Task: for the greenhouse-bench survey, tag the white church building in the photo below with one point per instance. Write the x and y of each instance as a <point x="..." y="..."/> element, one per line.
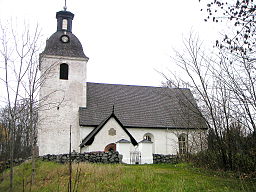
<point x="109" y="117"/>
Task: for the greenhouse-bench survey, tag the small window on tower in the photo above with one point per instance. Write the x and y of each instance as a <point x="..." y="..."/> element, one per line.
<point x="64" y="71"/>
<point x="64" y="24"/>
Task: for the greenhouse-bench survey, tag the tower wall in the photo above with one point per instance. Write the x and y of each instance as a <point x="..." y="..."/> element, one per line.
<point x="59" y="104"/>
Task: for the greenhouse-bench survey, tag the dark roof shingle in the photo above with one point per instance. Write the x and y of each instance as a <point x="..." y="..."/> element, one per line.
<point x="141" y="106"/>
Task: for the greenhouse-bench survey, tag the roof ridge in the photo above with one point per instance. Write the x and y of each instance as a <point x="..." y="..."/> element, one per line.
<point x="146" y="86"/>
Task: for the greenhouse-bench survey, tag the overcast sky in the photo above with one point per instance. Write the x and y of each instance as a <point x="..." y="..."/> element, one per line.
<point x="127" y="41"/>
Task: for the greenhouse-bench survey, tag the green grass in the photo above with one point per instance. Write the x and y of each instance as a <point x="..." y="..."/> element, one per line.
<point x="112" y="178"/>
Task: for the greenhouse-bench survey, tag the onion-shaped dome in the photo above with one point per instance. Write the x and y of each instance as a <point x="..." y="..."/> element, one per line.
<point x="56" y="46"/>
<point x="64" y="42"/>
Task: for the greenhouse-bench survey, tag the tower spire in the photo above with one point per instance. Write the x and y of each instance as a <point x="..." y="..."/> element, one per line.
<point x="65" y="6"/>
<point x="113" y="109"/>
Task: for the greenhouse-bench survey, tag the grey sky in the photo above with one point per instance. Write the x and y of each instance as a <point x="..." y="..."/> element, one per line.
<point x="126" y="40"/>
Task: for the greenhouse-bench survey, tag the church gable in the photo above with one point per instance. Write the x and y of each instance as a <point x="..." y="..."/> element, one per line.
<point x="109" y="131"/>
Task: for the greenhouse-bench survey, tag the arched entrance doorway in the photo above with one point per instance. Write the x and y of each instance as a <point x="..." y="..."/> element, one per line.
<point x="110" y="147"/>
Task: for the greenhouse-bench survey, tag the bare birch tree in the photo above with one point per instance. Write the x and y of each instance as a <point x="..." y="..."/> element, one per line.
<point x="19" y="52"/>
<point x="22" y="79"/>
<point x="225" y="94"/>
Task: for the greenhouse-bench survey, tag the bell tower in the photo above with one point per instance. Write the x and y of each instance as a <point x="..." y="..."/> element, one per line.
<point x="63" y="88"/>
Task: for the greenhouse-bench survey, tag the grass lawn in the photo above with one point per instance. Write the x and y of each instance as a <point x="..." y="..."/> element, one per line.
<point x="110" y="178"/>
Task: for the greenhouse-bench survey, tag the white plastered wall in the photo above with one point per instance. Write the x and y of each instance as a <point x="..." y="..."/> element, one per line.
<point x="102" y="139"/>
<point x="84" y="131"/>
<point x="59" y="104"/>
<point x="160" y="145"/>
<point x="166" y="140"/>
<point x="146" y="153"/>
<point x="124" y="149"/>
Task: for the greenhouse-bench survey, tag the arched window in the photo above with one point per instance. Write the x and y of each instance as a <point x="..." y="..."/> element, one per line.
<point x="64" y="24"/>
<point x="182" y="144"/>
<point x="149" y="137"/>
<point x="64" y="71"/>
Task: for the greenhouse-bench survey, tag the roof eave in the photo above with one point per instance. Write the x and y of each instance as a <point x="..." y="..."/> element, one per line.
<point x="147" y="127"/>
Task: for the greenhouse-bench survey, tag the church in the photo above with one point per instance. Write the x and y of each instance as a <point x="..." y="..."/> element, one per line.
<point x="109" y="117"/>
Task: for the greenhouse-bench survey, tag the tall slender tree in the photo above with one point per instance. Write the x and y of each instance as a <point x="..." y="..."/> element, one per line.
<point x="19" y="57"/>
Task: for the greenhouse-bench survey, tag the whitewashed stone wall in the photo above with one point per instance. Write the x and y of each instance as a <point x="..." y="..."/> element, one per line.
<point x="84" y="131"/>
<point x="166" y="140"/>
<point x="197" y="141"/>
<point x="60" y="101"/>
<point x="102" y="139"/>
<point x="146" y="152"/>
<point x="160" y="142"/>
<point x="124" y="149"/>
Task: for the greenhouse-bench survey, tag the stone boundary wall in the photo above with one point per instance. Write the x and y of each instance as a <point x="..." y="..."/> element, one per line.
<point x="91" y="157"/>
<point x="159" y="158"/>
<point x="104" y="157"/>
<point x="6" y="165"/>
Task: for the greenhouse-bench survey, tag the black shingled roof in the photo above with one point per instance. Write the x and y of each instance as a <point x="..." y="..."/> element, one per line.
<point x="141" y="107"/>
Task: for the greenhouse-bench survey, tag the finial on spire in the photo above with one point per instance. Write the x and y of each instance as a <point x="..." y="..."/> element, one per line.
<point x="65" y="7"/>
<point x="113" y="109"/>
